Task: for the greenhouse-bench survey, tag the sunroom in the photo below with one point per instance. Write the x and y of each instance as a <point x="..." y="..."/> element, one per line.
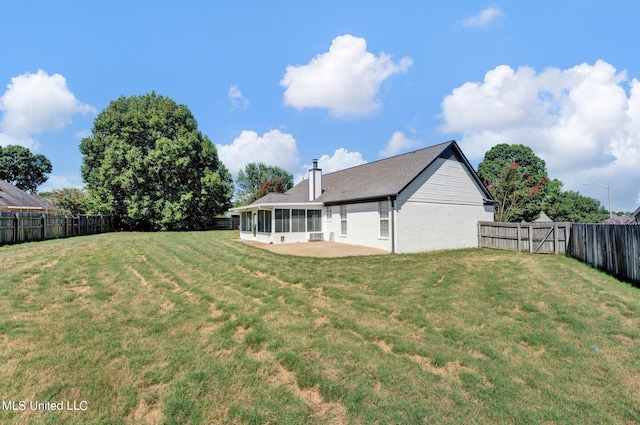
<point x="281" y="223"/>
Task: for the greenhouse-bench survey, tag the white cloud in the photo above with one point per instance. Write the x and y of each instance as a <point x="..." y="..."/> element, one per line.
<point x="340" y="160"/>
<point x="26" y="140"/>
<point x="345" y="80"/>
<point x="85" y="132"/>
<point x="57" y="181"/>
<point x="398" y="143"/>
<point x="583" y="121"/>
<point x="35" y="103"/>
<point x="484" y="18"/>
<point x="272" y="148"/>
<point x="238" y="101"/>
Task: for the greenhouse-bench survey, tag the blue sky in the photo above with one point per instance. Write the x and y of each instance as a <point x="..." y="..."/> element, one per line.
<point x="345" y="82"/>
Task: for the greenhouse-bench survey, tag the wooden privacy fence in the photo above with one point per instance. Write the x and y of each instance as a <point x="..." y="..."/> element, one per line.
<point x="540" y="238"/>
<point x="614" y="248"/>
<point x="29" y="226"/>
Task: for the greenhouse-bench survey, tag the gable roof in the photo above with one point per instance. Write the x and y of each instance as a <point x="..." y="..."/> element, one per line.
<point x="635" y="216"/>
<point x="14" y="198"/>
<point x="373" y="180"/>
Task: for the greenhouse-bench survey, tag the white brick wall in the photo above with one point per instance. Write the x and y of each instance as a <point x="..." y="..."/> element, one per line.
<point x="429" y="226"/>
<point x="363" y="226"/>
<point x="440" y="209"/>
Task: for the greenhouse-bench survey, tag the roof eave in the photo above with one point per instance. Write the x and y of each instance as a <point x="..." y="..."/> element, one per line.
<point x="383" y="197"/>
<point x="276" y="205"/>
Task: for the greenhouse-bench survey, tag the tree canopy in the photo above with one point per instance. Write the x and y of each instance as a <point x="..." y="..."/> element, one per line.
<point x="269" y="186"/>
<point x="574" y="207"/>
<point x="147" y="163"/>
<point x="70" y="200"/>
<point x="23" y="169"/>
<point x="255" y="174"/>
<point x="518" y="180"/>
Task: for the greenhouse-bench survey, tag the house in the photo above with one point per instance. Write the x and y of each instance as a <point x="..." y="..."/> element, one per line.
<point x="618" y="219"/>
<point x="17" y="200"/>
<point x="543" y="218"/>
<point x="424" y="200"/>
<point x="635" y="217"/>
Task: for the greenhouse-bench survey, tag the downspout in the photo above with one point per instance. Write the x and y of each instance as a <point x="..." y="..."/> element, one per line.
<point x="393" y="219"/>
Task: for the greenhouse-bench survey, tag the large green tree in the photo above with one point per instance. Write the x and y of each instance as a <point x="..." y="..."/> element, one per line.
<point x="574" y="207"/>
<point x="269" y="186"/>
<point x="255" y="174"/>
<point x="22" y="168"/>
<point x="147" y="163"/>
<point x="518" y="180"/>
<point x="70" y="199"/>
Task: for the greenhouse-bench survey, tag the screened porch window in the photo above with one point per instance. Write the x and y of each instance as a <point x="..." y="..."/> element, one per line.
<point x="314" y="220"/>
<point x="264" y="221"/>
<point x="297" y="220"/>
<point x="245" y="222"/>
<point x="283" y="220"/>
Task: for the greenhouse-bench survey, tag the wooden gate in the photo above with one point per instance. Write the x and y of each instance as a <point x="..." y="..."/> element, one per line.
<point x="539" y="238"/>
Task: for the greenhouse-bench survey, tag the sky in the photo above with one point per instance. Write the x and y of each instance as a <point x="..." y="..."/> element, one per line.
<point x="344" y="82"/>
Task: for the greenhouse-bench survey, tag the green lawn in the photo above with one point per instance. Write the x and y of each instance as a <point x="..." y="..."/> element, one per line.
<point x="197" y="328"/>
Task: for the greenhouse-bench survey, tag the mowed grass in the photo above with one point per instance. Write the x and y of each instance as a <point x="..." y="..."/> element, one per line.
<point x="198" y="328"/>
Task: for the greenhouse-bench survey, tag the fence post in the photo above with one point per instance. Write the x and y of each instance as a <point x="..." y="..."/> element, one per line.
<point x="530" y="227"/>
<point x="43" y="222"/>
<point x="16" y="227"/>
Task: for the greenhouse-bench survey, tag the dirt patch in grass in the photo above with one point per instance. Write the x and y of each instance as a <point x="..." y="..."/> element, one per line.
<point x="239" y="334"/>
<point x="261" y="275"/>
<point x="262" y="355"/>
<point x="384" y="346"/>
<point x="320" y="321"/>
<point x="143" y="413"/>
<point x="167" y="306"/>
<point x="331" y="412"/>
<point x="31" y="278"/>
<point x="51" y="263"/>
<point x="143" y="281"/>
<point x="449" y="369"/>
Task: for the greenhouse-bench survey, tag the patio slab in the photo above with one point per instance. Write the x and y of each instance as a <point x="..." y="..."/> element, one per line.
<point x="317" y="249"/>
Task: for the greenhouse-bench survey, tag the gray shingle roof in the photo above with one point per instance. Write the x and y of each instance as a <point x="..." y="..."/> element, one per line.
<point x="11" y="196"/>
<point x="377" y="179"/>
<point x="273" y="198"/>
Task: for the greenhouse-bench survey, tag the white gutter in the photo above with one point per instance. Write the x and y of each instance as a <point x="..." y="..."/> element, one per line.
<point x="302" y="205"/>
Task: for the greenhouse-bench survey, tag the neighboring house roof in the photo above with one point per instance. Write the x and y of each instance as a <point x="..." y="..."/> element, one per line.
<point x="373" y="180"/>
<point x="618" y="219"/>
<point x="12" y="198"/>
<point x="543" y="218"/>
<point x="635" y="216"/>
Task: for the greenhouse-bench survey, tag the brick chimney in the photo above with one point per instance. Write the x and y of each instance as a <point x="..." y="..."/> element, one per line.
<point x="315" y="181"/>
